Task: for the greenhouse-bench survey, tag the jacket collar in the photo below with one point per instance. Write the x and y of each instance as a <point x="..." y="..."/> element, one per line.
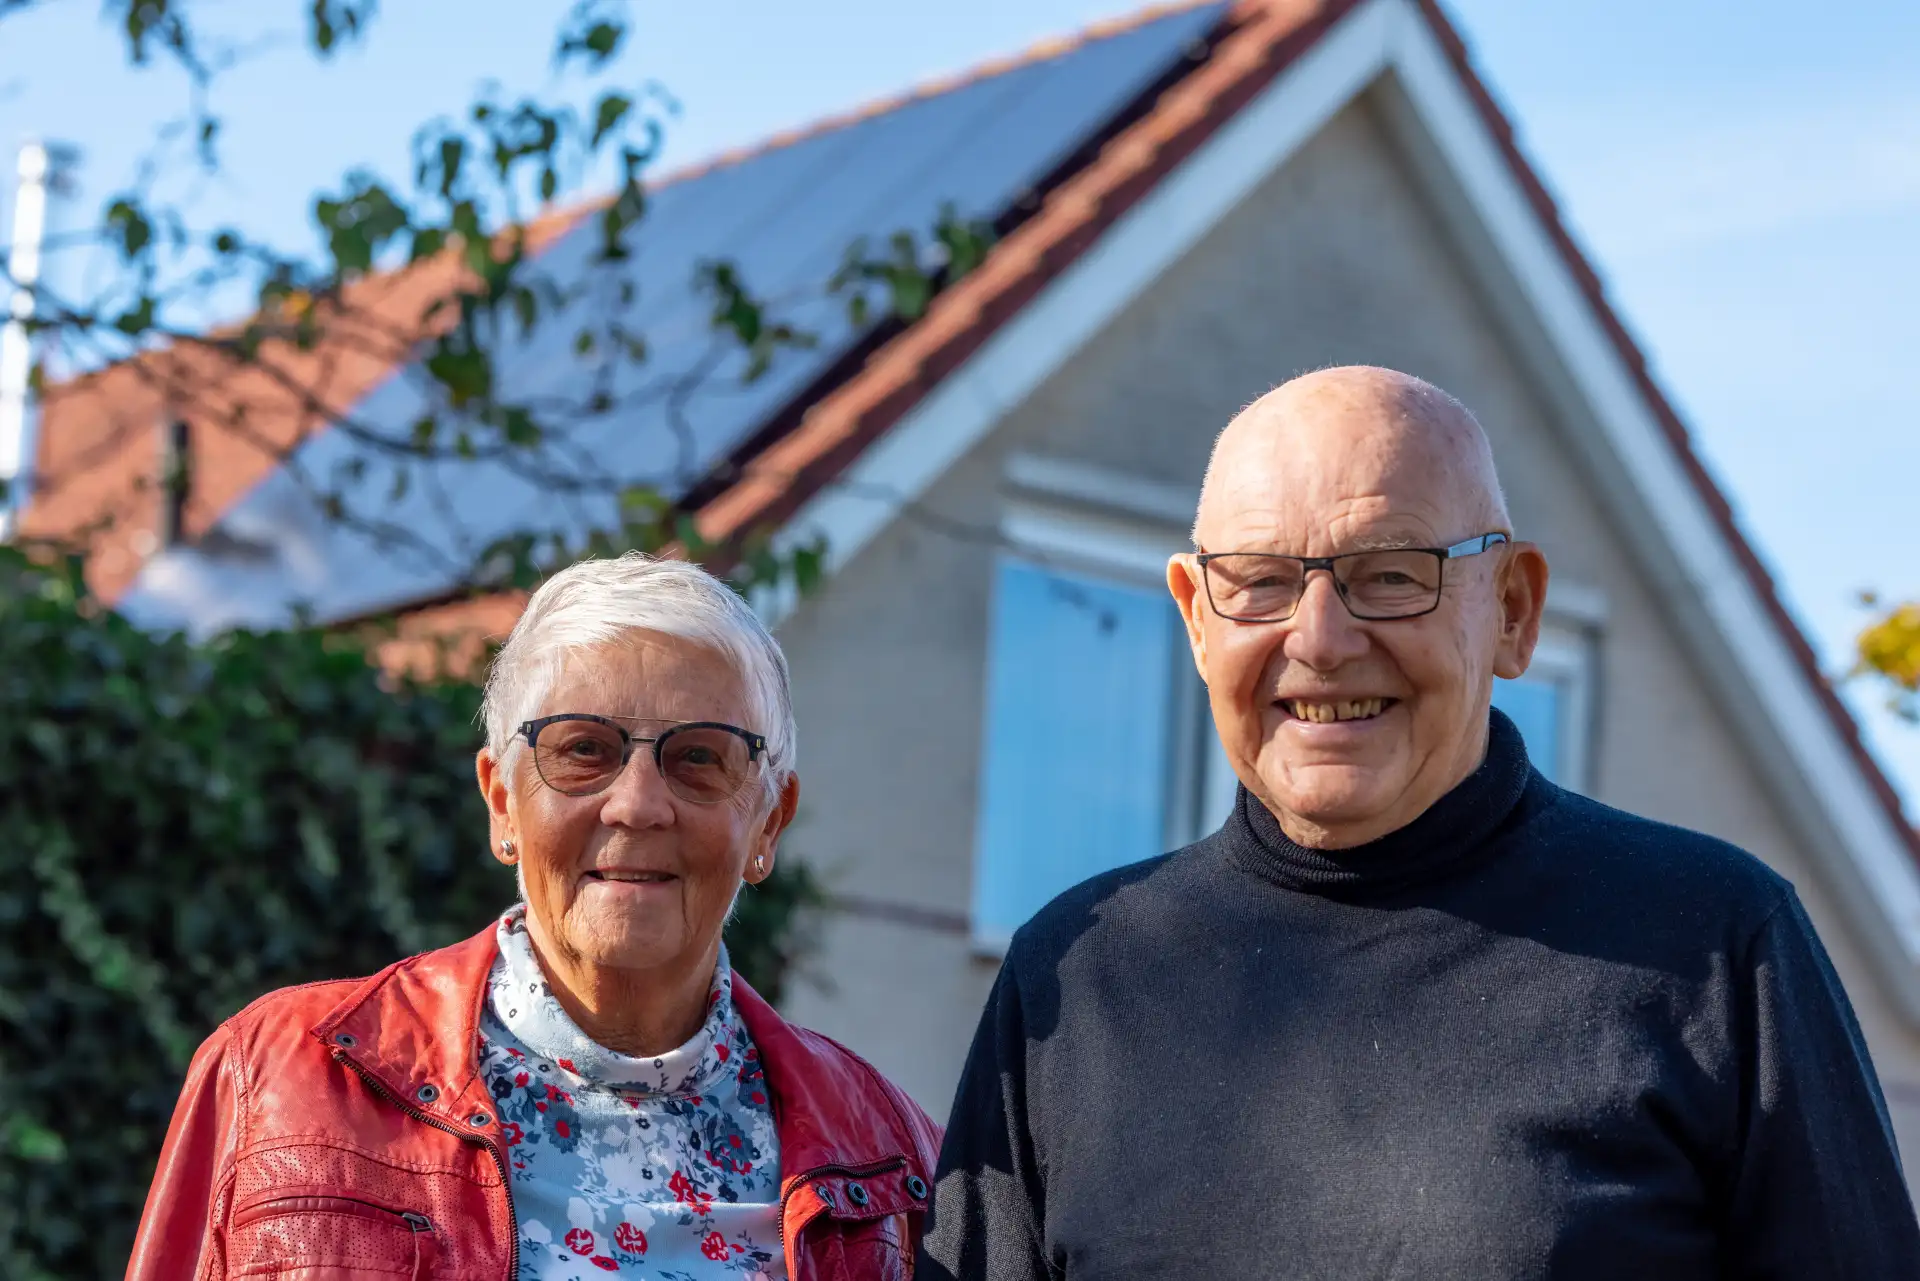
<point x="831" y="1109"/>
<point x="412" y="1031"/>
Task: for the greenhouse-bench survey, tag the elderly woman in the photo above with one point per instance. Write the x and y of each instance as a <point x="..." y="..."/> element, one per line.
<point x="585" y="1086"/>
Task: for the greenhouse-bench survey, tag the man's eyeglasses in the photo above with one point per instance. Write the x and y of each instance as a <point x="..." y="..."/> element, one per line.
<point x="706" y="762"/>
<point x="1405" y="582"/>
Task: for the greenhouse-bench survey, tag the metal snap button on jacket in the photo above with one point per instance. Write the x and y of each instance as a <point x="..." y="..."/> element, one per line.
<point x="427" y="1093"/>
<point x="824" y="1192"/>
<point x="916" y="1187"/>
<point x="856" y="1194"/>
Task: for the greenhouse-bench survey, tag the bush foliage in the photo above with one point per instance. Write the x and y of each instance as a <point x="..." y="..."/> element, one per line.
<point x="186" y="827"/>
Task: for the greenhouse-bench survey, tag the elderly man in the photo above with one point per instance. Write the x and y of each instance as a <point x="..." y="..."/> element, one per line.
<point x="1414" y="1012"/>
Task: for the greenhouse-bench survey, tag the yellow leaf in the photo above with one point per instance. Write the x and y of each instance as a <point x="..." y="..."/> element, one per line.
<point x="1891" y="646"/>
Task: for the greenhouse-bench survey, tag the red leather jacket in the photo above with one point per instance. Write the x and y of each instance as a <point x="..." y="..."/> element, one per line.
<point x="342" y="1130"/>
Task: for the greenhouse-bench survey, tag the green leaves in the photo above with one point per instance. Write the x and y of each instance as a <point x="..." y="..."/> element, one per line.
<point x="145" y="20"/>
<point x="334" y="22"/>
<point x="963" y="242"/>
<point x="905" y="278"/>
<point x="738" y="312"/>
<point x="592" y="34"/>
<point x="607" y="115"/>
<point x="31" y="1141"/>
<point x="463" y="369"/>
<point x="137" y="319"/>
<point x="129" y="226"/>
<point x="359" y="224"/>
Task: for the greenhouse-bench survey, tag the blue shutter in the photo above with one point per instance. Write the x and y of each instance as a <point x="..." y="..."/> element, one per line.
<point x="1075" y="776"/>
<point x="1534" y="706"/>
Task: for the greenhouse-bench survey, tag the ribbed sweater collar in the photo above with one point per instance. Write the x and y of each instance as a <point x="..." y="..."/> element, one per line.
<point x="1445" y="839"/>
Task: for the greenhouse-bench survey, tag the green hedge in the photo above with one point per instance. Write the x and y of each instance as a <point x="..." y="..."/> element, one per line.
<point x="184" y="827"/>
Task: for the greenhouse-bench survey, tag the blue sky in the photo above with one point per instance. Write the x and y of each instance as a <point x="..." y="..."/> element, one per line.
<point x="1745" y="174"/>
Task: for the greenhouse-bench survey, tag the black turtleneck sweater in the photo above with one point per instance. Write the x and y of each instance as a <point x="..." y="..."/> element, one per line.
<point x="1526" y="1036"/>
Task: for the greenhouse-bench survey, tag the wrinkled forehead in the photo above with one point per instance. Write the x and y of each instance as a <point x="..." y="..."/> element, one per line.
<point x="1319" y="484"/>
<point x="650" y="675"/>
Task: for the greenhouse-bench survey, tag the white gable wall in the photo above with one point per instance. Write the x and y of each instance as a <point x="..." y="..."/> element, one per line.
<point x="1336" y="258"/>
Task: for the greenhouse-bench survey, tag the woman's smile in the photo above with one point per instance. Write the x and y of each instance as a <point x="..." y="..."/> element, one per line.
<point x="629" y="883"/>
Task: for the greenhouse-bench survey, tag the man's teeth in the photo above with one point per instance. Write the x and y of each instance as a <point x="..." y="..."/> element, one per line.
<point x="1359" y="709"/>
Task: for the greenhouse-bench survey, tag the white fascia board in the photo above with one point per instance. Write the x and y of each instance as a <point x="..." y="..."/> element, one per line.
<point x="1715" y="582"/>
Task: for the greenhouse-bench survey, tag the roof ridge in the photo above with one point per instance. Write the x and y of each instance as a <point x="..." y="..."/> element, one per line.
<point x="1039" y="51"/>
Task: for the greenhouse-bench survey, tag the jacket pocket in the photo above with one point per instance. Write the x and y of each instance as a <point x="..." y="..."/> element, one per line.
<point x="861" y="1250"/>
<point x="328" y="1237"/>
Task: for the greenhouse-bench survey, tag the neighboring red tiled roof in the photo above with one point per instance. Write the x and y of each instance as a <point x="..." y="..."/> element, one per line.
<point x="98" y="454"/>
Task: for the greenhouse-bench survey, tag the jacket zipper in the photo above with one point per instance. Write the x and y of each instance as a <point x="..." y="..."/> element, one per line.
<point x="500" y="1162"/>
<point x="866" y="1171"/>
<point x="415" y="1221"/>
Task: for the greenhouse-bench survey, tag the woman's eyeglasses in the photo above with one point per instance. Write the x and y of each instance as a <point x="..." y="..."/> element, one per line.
<point x="706" y="762"/>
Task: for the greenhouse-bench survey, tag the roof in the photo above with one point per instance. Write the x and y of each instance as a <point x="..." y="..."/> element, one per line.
<point x="1057" y="147"/>
<point x="784" y="213"/>
<point x="97" y="443"/>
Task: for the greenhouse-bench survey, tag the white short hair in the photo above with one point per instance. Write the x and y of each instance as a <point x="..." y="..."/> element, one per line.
<point x="595" y="602"/>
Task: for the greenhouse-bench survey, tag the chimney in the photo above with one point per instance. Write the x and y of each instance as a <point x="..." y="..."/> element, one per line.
<point x="176" y="481"/>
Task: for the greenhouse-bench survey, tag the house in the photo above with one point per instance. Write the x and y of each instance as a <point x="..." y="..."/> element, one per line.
<point x="1195" y="204"/>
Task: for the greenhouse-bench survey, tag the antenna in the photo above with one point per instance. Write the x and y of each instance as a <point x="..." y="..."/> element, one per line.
<point x="40" y="168"/>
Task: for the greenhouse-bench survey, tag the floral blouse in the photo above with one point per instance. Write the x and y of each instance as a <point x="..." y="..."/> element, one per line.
<point x="662" y="1167"/>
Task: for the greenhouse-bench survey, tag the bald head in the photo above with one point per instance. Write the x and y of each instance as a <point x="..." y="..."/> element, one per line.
<point x="1339" y="440"/>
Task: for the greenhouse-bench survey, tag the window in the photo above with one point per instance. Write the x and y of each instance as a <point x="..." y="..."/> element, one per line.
<point x="1080" y="737"/>
<point x="1551" y="704"/>
<point x="1535" y="707"/>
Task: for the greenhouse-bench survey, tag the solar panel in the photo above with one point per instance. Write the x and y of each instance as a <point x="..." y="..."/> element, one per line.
<point x="785" y="216"/>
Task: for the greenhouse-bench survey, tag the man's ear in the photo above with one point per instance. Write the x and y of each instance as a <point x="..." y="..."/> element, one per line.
<point x="1520" y="587"/>
<point x="1189" y="594"/>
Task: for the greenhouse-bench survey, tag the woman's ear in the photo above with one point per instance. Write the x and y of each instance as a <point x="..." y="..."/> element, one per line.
<point x="494" y="790"/>
<point x="766" y="840"/>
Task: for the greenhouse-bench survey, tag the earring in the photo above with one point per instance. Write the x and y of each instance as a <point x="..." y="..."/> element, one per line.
<point x="506" y="849"/>
<point x="759" y="862"/>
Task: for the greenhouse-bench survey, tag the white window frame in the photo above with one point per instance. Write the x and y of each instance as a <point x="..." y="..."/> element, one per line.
<point x="1564" y="657"/>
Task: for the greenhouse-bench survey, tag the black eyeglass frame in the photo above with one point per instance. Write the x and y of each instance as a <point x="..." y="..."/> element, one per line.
<point x="530" y="730"/>
<point x="1308" y="564"/>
